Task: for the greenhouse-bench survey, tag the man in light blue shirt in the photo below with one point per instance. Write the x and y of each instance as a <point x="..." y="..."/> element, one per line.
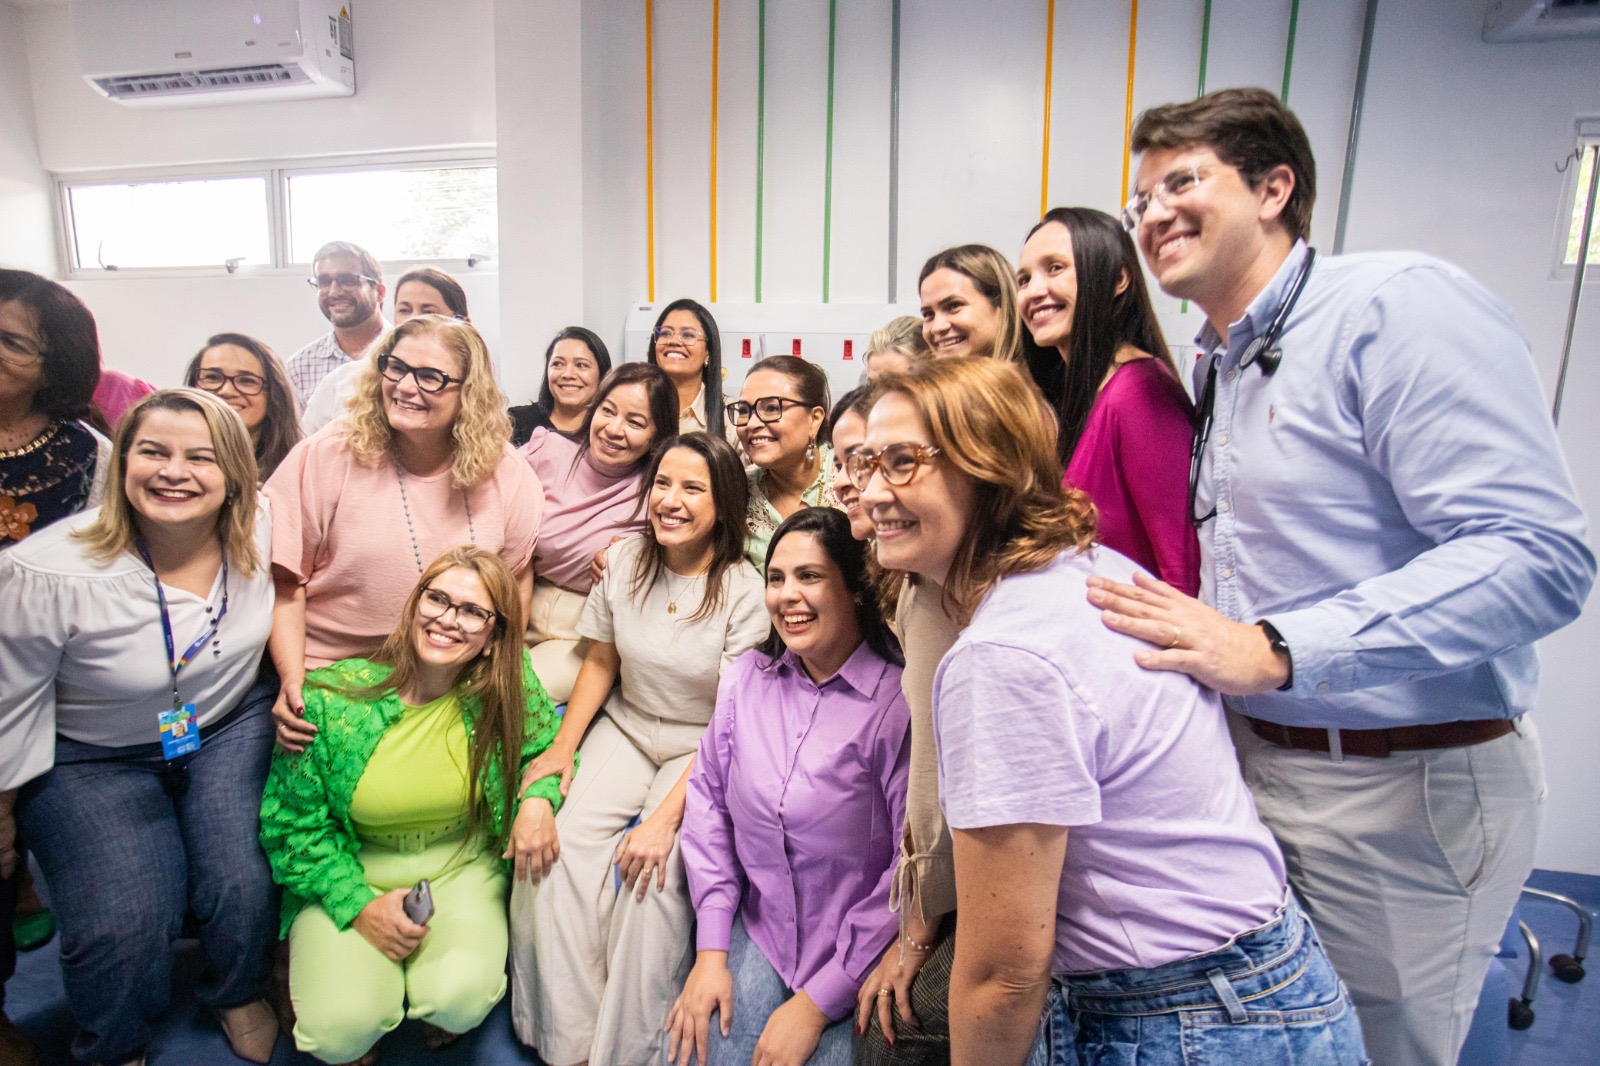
<point x="1386" y="526"/>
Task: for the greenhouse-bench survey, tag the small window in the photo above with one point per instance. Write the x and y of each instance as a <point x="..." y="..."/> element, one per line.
<point x="170" y="223"/>
<point x="1580" y="196"/>
<point x="398" y="215"/>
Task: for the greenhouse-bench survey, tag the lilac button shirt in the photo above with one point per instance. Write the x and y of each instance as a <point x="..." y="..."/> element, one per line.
<point x="794" y="813"/>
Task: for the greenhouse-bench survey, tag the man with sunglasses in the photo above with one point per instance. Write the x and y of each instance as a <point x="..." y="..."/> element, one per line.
<point x="1386" y="526"/>
<point x="350" y="291"/>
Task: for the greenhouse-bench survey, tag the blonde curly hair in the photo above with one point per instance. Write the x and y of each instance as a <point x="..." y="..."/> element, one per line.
<point x="482" y="427"/>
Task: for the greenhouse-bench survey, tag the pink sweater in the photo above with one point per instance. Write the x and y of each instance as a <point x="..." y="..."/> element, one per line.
<point x="339" y="526"/>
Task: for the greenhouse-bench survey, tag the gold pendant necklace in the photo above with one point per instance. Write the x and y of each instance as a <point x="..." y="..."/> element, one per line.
<point x="672" y="597"/>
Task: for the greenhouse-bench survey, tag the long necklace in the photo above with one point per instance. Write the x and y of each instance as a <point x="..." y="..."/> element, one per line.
<point x="673" y="597"/>
<point x="416" y="552"/>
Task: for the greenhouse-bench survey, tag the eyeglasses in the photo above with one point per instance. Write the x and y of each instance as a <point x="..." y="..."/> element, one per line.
<point x="1173" y="187"/>
<point x="19" y="350"/>
<point x="767" y="409"/>
<point x="244" y="384"/>
<point x="687" y="336"/>
<point x="897" y="463"/>
<point x="470" y="618"/>
<point x="427" y="378"/>
<point x="344" y="281"/>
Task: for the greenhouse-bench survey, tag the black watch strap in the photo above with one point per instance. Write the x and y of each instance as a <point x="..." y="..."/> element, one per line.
<point x="1280" y="647"/>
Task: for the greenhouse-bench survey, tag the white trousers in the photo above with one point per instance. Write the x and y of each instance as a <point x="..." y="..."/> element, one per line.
<point x="1410" y="867"/>
<point x="555" y="647"/>
<point x="594" y="972"/>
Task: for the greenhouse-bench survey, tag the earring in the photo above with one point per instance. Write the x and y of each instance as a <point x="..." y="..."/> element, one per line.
<point x="811" y="451"/>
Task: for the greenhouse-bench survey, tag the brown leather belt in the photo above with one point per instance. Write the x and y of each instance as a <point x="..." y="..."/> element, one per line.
<point x="1378" y="743"/>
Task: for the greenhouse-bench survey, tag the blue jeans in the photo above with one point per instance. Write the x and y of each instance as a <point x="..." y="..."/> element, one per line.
<point x="130" y="843"/>
<point x="757" y="992"/>
<point x="1269" y="996"/>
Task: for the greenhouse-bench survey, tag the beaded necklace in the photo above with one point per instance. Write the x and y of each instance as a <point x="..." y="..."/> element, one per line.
<point x="416" y="552"/>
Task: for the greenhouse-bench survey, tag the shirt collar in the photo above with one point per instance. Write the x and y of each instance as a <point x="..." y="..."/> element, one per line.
<point x="696" y="411"/>
<point x="862" y="671"/>
<point x="1258" y="316"/>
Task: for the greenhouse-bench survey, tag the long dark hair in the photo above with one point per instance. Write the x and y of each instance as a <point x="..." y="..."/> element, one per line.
<point x="71" y="344"/>
<point x="832" y="530"/>
<point x="597" y="348"/>
<point x="730" y="495"/>
<point x="711" y="375"/>
<point x="280" y="428"/>
<point x="858" y="399"/>
<point x="1102" y="321"/>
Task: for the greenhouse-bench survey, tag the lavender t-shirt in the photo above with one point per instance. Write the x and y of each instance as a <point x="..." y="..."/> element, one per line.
<point x="1041" y="715"/>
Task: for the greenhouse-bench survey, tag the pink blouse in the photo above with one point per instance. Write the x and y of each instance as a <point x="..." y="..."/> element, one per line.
<point x="1133" y="461"/>
<point x="584" y="507"/>
<point x="341" y="528"/>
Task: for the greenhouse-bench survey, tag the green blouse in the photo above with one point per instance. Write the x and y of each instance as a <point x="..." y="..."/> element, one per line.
<point x="306" y="828"/>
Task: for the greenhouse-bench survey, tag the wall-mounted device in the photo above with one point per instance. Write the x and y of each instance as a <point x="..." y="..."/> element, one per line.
<point x="192" y="53"/>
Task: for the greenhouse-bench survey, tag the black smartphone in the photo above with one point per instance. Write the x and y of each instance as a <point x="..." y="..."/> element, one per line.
<point x="418" y="903"/>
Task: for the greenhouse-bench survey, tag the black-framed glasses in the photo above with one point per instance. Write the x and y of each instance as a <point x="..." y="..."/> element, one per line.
<point x="470" y="618"/>
<point x="427" y="378"/>
<point x="344" y="281"/>
<point x="19" y="350"/>
<point x="897" y="463"/>
<point x="1174" y="186"/>
<point x="766" y="409"/>
<point x="687" y="336"/>
<point x="245" y="384"/>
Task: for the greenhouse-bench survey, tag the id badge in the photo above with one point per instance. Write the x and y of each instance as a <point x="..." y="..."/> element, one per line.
<point x="180" y="731"/>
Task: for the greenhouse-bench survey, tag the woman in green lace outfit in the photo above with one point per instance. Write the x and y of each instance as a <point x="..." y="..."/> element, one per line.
<point x="414" y="775"/>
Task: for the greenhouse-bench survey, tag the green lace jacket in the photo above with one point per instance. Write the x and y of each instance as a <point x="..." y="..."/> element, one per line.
<point x="306" y="829"/>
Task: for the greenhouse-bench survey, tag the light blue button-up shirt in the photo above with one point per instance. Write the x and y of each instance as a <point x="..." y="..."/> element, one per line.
<point x="1393" y="499"/>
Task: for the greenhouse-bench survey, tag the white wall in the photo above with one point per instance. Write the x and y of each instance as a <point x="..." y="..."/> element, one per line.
<point x="27" y="240"/>
<point x="424" y="79"/>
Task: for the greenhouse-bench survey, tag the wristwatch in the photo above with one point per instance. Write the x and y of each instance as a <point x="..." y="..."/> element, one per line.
<point x="1279" y="647"/>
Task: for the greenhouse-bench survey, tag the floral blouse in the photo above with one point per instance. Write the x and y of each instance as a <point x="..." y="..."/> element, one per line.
<point x="763" y="519"/>
<point x="47" y="479"/>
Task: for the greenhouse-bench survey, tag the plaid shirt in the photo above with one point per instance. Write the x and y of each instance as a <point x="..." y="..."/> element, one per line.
<point x="315" y="361"/>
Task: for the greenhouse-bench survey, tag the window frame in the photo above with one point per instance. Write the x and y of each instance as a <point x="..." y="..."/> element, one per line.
<point x="276" y="175"/>
<point x="1586" y="136"/>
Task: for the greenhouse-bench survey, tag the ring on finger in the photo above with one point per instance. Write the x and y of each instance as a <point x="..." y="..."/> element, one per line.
<point x="1177" y="635"/>
<point x="883" y="993"/>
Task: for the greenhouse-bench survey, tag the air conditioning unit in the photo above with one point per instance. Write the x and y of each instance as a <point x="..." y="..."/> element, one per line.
<point x="1540" y="20"/>
<point x="191" y="53"/>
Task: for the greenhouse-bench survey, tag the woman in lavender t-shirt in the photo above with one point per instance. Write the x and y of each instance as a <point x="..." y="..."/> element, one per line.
<point x="1105" y="844"/>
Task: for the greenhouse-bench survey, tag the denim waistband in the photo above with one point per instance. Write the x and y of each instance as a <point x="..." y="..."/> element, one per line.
<point x="1254" y="964"/>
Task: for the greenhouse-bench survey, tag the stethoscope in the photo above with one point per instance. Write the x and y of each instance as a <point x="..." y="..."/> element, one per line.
<point x="1265" y="351"/>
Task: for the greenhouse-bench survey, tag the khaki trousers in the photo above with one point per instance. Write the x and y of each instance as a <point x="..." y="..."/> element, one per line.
<point x="555" y="647"/>
<point x="1410" y="867"/>
<point x="594" y="971"/>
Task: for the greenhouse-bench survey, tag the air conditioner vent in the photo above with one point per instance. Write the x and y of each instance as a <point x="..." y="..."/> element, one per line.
<point x="199" y="81"/>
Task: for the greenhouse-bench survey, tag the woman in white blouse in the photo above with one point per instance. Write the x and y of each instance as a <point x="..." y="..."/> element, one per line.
<point x="134" y="734"/>
<point x="593" y="972"/>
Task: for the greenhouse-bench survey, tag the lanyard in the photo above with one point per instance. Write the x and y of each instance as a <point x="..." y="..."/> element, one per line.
<point x="175" y="662"/>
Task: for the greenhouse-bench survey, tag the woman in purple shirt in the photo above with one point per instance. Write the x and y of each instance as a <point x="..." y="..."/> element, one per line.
<point x="1116" y="895"/>
<point x="794" y="809"/>
<point x="1096" y="351"/>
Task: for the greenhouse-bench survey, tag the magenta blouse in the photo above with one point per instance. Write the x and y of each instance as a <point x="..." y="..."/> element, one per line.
<point x="1133" y="461"/>
<point x="794" y="814"/>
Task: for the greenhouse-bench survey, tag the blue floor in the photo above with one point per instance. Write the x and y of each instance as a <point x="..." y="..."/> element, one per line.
<point x="1567" y="1029"/>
